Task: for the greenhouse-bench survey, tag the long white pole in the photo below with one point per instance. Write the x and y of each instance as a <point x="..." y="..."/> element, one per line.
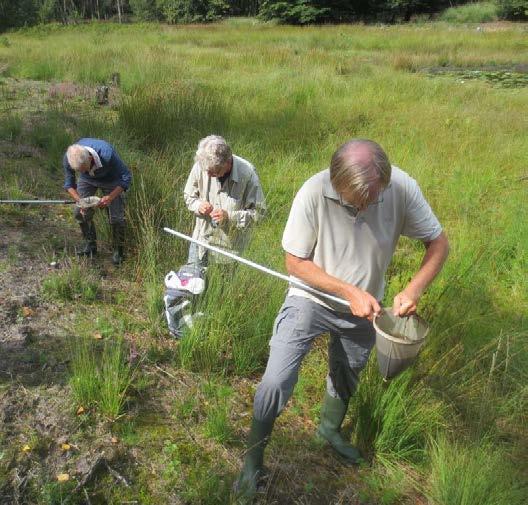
<point x="266" y="270"/>
<point x="39" y="202"/>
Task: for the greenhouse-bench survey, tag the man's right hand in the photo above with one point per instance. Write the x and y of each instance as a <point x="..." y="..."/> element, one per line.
<point x="205" y="208"/>
<point x="73" y="193"/>
<point x="362" y="304"/>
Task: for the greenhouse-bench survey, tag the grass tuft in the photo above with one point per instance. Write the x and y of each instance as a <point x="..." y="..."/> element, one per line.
<point x="466" y="475"/>
<point x="11" y="127"/>
<point x="395" y="421"/>
<point x="73" y="283"/>
<point x="101" y="375"/>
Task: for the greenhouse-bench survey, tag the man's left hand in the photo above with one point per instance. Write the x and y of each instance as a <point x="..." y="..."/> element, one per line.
<point x="105" y="201"/>
<point x="219" y="216"/>
<point x="405" y="304"/>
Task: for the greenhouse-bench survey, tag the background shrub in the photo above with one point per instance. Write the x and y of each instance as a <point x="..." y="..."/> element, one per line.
<point x="192" y="11"/>
<point x="515" y="10"/>
<point x="471" y="13"/>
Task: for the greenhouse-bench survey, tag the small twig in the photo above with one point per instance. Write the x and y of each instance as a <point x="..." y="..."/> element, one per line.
<point x="507" y="361"/>
<point x="86" y="497"/>
<point x="523" y="178"/>
<point x="169" y="375"/>
<point x="91" y="473"/>
<point x="116" y="475"/>
<point x="165" y="372"/>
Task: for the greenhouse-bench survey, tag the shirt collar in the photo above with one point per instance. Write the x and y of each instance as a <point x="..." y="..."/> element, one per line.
<point x="234" y="175"/>
<point x="328" y="189"/>
<point x="97" y="160"/>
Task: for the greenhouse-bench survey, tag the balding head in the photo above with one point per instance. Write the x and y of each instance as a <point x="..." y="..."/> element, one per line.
<point x="359" y="171"/>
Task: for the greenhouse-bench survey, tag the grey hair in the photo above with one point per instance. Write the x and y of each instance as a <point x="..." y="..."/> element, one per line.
<point x="358" y="167"/>
<point x="213" y="151"/>
<point x="78" y="156"/>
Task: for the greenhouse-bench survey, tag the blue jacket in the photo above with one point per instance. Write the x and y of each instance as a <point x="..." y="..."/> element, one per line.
<point x="113" y="169"/>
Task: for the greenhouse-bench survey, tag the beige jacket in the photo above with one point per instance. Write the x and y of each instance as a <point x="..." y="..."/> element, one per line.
<point x="241" y="196"/>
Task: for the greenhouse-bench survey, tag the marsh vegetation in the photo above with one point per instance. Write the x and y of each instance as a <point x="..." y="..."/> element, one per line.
<point x="450" y="431"/>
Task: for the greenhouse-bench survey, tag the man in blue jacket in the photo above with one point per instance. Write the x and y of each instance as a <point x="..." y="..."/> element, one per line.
<point x="99" y="167"/>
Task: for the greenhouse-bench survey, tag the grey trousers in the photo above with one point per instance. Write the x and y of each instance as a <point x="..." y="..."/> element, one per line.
<point x="194" y="257"/>
<point x="298" y="323"/>
<point x="116" y="210"/>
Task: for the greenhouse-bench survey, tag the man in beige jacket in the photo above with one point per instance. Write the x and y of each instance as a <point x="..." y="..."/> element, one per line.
<point x="224" y="192"/>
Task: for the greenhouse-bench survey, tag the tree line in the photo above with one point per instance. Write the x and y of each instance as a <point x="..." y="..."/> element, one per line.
<point x="16" y="13"/>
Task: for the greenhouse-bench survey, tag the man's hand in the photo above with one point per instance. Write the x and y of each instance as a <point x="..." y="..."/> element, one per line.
<point x="105" y="201"/>
<point x="362" y="304"/>
<point x="219" y="216"/>
<point x="73" y="193"/>
<point x="205" y="208"/>
<point x="405" y="303"/>
<point x="436" y="252"/>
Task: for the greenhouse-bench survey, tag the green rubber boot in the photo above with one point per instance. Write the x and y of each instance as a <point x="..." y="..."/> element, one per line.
<point x="118" y="243"/>
<point x="89" y="246"/>
<point x="332" y="415"/>
<point x="245" y="487"/>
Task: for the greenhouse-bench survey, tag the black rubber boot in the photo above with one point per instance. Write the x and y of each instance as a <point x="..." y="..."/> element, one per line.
<point x="89" y="246"/>
<point x="332" y="415"/>
<point x="118" y="243"/>
<point x="245" y="487"/>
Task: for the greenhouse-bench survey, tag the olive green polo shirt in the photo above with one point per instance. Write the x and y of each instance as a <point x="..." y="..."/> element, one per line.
<point x="356" y="247"/>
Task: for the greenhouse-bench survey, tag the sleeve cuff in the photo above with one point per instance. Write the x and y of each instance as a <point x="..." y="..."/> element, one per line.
<point x="433" y="235"/>
<point x="300" y="253"/>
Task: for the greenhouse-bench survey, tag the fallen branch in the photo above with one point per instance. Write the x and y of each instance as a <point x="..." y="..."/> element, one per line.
<point x="116" y="475"/>
<point x="169" y="375"/>
<point x="100" y="464"/>
<point x="94" y="469"/>
<point x="87" y="498"/>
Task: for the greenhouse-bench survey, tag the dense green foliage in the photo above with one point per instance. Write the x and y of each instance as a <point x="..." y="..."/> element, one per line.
<point x="20" y="13"/>
<point x="516" y="10"/>
<point x="192" y="11"/>
<point x="311" y="11"/>
<point x="296" y="12"/>
<point x="29" y="12"/>
<point x="146" y="10"/>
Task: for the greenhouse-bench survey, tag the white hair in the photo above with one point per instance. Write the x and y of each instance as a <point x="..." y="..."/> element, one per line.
<point x="78" y="156"/>
<point x="212" y="152"/>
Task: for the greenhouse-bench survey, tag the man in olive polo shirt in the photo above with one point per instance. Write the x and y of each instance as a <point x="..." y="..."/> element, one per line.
<point x="341" y="233"/>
